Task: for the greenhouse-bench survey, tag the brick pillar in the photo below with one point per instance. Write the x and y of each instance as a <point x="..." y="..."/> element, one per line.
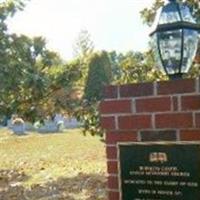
<point x="161" y="111"/>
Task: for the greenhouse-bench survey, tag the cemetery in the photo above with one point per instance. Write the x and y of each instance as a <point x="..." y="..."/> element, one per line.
<point x="58" y="124"/>
<point x="51" y="166"/>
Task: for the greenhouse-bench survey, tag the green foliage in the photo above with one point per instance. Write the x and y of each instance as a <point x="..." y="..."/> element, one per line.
<point x="10" y="7"/>
<point x="137" y="67"/>
<point x="87" y="113"/>
<point x="99" y="75"/>
<point x="30" y="74"/>
<point x="115" y="65"/>
<point x="62" y="84"/>
<point x="148" y="14"/>
<point x="24" y="88"/>
<point x="133" y="68"/>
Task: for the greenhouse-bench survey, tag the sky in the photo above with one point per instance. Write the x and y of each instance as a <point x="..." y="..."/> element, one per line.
<point x="112" y="24"/>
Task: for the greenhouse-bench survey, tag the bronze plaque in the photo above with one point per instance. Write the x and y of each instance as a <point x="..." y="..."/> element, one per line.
<point x="159" y="171"/>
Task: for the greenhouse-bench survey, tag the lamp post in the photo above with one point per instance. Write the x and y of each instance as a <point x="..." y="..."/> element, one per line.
<point x="175" y="39"/>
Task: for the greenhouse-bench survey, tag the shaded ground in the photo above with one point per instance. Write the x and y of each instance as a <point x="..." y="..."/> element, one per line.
<point x="64" y="166"/>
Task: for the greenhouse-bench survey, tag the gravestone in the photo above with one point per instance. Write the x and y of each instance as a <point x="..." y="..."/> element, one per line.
<point x="49" y="126"/>
<point x="71" y="123"/>
<point x="18" y="127"/>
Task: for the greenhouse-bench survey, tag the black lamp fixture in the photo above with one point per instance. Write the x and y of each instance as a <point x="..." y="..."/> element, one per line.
<point x="175" y="37"/>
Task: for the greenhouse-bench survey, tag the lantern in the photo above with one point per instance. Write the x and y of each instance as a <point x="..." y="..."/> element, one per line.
<point x="175" y="39"/>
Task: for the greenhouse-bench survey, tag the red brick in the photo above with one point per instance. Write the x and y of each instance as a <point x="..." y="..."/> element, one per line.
<point x="190" y="102"/>
<point x="158" y="135"/>
<point x="110" y="92"/>
<point x="111" y="152"/>
<point x="153" y="104"/>
<point x="174" y="120"/>
<point x="136" y="90"/>
<point x="175" y="103"/>
<point x="197" y="120"/>
<point x="112" y="167"/>
<point x="198" y="81"/>
<point x="176" y="86"/>
<point x="190" y="135"/>
<point x="114" y="137"/>
<point x="135" y="122"/>
<point x="107" y="123"/>
<point x="113" y="195"/>
<point x="113" y="182"/>
<point x="120" y="106"/>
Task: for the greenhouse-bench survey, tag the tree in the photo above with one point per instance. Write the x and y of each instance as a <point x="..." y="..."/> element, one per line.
<point x="137" y="67"/>
<point x="115" y="66"/>
<point x="99" y="74"/>
<point x="30" y="74"/>
<point x="83" y="45"/>
<point x="83" y="49"/>
<point x="7" y="9"/>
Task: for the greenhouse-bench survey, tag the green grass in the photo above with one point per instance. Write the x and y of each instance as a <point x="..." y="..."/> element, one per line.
<point x="52" y="166"/>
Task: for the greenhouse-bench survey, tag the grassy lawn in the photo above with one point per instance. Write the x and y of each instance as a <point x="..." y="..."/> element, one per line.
<point x="67" y="166"/>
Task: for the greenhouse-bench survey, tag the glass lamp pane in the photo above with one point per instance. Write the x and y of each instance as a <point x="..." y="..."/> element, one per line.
<point x="170" y="17"/>
<point x="170" y="49"/>
<point x="169" y="14"/>
<point x="154" y="45"/>
<point x="190" y="47"/>
<point x="186" y="14"/>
